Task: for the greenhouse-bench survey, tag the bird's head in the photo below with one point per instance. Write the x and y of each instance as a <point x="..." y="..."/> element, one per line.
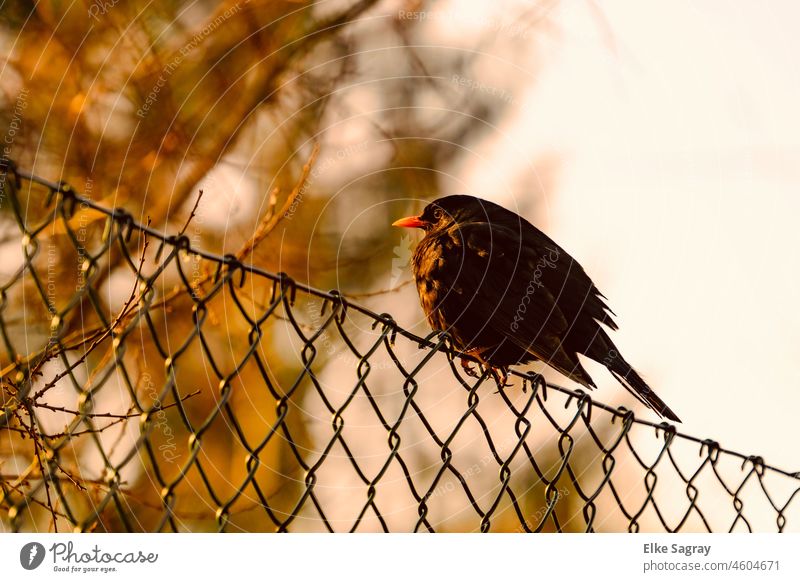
<point x="444" y="212"/>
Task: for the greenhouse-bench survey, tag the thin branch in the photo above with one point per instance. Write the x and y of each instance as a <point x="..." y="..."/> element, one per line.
<point x="108" y="414"/>
<point x="268" y="225"/>
<point x="272" y="202"/>
<point x="37" y="453"/>
<point x="18" y="489"/>
<point x="192" y="213"/>
<point x="126" y="309"/>
<point x="386" y="291"/>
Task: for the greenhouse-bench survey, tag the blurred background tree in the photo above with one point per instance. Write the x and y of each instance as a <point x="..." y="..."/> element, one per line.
<point x="208" y="112"/>
<point x="292" y="134"/>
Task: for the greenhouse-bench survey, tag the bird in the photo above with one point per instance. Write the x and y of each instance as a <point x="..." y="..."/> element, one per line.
<point x="507" y="294"/>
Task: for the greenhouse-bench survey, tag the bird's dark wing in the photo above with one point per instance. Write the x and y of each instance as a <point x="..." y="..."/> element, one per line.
<point x="575" y="293"/>
<point x="495" y="290"/>
<point x="504" y="278"/>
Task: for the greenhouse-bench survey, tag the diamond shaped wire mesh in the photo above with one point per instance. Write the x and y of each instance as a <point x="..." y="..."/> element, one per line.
<point x="210" y="395"/>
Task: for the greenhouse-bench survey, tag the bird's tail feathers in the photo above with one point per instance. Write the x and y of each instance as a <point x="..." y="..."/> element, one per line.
<point x="571" y="367"/>
<point x="636" y="385"/>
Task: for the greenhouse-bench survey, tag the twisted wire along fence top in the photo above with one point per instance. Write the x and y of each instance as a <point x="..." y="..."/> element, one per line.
<point x="194" y="406"/>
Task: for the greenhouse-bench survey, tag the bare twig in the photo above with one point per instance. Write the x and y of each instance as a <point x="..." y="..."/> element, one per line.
<point x="18" y="488"/>
<point x="37" y="454"/>
<point x="192" y="213"/>
<point x="268" y="225"/>
<point x="117" y="417"/>
<point x="386" y="291"/>
<point x="127" y="308"/>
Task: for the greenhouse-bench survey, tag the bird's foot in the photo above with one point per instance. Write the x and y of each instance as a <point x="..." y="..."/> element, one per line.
<point x="468" y="369"/>
<point x="498" y="373"/>
<point x="500" y="376"/>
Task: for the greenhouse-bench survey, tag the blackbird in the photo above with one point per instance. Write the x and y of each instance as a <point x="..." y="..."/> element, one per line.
<point x="507" y="294"/>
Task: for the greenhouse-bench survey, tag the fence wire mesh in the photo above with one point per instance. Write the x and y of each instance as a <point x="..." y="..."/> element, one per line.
<point x="149" y="385"/>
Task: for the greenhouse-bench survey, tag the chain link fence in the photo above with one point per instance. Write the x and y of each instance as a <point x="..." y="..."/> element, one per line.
<point x="149" y="385"/>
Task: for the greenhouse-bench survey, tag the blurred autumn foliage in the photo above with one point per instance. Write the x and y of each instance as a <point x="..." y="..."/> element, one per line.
<point x="145" y="103"/>
<point x="143" y="391"/>
<point x="288" y="133"/>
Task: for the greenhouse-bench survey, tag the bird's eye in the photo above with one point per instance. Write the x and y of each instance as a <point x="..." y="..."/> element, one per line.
<point x="438" y="213"/>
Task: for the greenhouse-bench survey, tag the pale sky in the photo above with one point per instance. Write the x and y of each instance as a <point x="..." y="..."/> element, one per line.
<point x="678" y="133"/>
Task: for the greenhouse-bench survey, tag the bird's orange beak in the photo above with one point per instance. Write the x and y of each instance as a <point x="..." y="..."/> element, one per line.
<point x="410" y="222"/>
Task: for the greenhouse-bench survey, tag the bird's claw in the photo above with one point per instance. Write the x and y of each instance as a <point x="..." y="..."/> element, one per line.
<point x="468" y="369"/>
<point x="500" y="376"/>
